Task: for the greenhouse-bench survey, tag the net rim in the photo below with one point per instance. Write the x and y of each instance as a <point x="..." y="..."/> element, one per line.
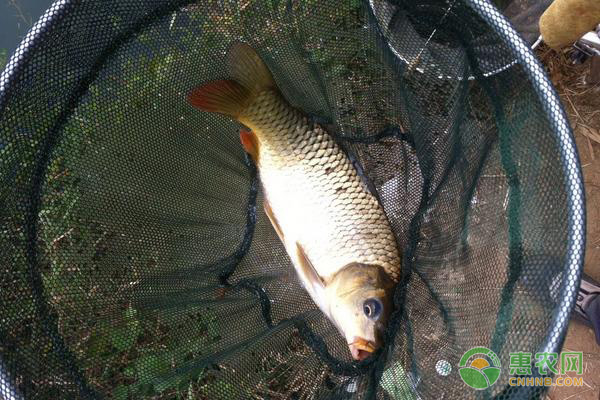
<point x="8" y="77"/>
<point x="552" y="107"/>
<point x="34" y="37"/>
<point x="570" y="163"/>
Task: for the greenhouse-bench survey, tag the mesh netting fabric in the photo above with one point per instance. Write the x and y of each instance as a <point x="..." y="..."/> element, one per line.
<point x="524" y="15"/>
<point x="137" y="261"/>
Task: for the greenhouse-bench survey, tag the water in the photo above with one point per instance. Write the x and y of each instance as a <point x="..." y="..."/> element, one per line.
<point x="16" y="18"/>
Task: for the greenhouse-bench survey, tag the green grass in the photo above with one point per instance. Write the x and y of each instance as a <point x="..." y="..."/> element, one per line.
<point x="83" y="263"/>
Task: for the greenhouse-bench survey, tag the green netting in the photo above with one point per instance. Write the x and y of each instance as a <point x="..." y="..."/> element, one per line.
<point x="125" y="212"/>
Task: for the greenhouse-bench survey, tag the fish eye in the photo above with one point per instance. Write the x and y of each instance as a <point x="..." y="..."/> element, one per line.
<point x="372" y="308"/>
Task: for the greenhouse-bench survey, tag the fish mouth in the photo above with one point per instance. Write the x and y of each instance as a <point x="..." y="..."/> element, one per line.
<point x="361" y="348"/>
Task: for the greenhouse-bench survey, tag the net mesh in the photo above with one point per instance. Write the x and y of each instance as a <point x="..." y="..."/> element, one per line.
<point x="524" y="16"/>
<point x="137" y="261"/>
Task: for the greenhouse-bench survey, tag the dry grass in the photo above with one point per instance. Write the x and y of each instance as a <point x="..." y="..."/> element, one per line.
<point x="581" y="102"/>
<point x="579" y="98"/>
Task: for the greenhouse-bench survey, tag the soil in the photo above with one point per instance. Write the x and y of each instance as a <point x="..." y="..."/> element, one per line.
<point x="582" y="105"/>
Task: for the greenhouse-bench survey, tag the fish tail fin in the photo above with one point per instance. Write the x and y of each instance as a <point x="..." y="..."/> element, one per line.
<point x="247" y="68"/>
<point x="224" y="96"/>
<point x="250" y="76"/>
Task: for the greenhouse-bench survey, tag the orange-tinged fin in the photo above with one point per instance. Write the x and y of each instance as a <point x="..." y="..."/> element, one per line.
<point x="249" y="77"/>
<point x="274" y="222"/>
<point x="248" y="69"/>
<point x="221" y="292"/>
<point x="225" y="96"/>
<point x="307" y="269"/>
<point x="249" y="143"/>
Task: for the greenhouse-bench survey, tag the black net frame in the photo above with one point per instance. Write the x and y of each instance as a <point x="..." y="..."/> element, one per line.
<point x="26" y="186"/>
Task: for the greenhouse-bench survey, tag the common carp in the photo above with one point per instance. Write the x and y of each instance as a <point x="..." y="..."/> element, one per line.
<point x="332" y="225"/>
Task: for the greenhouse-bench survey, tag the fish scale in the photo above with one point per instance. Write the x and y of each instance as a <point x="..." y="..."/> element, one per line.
<point x="327" y="216"/>
<point x="308" y="159"/>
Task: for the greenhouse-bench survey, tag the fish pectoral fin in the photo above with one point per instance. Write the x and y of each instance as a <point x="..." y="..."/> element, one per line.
<point x="307" y="269"/>
<point x="269" y="212"/>
<point x="250" y="143"/>
<point x="304" y="267"/>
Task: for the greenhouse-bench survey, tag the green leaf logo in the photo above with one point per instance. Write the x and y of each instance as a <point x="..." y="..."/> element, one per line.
<point x="479" y="368"/>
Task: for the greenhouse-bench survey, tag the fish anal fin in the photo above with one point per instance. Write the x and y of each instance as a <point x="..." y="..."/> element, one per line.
<point x="250" y="143"/>
<point x="307" y="269"/>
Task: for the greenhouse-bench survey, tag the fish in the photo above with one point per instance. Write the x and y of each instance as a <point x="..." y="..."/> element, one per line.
<point x="330" y="221"/>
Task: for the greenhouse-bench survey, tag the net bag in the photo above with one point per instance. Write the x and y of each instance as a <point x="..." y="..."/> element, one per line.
<point x="137" y="261"/>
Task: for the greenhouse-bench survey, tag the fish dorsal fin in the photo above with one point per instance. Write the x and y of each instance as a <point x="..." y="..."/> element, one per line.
<point x="364" y="179"/>
<point x="308" y="270"/>
<point x="274" y="222"/>
<point x="248" y="69"/>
